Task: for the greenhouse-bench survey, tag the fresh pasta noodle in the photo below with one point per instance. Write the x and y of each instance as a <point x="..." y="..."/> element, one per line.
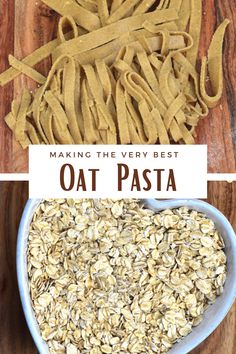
<point x="81" y="15"/>
<point x="143" y="6"/>
<point x="215" y="68"/>
<point x="122" y="10"/>
<point x="103" y="11"/>
<point x="31" y="60"/>
<point x="108" y="33"/>
<point x="27" y="70"/>
<point x="184" y="15"/>
<point x="194" y="29"/>
<point x="123" y="72"/>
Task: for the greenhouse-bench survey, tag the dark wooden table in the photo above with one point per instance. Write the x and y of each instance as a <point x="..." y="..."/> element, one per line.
<point x="26" y="24"/>
<point x="14" y="335"/>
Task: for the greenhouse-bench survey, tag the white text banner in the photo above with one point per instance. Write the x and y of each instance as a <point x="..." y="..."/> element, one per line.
<point x="102" y="171"/>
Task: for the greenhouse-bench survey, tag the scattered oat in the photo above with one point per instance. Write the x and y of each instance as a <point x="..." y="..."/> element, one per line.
<point x="108" y="276"/>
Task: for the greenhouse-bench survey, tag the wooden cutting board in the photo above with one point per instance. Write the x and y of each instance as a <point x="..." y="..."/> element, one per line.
<point x="27" y="24"/>
<point x="14" y="335"/>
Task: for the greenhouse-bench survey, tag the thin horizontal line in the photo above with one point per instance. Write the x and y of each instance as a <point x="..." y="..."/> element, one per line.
<point x="228" y="177"/>
<point x="14" y="176"/>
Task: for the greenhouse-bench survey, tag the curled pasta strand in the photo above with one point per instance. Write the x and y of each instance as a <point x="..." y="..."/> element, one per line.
<point x="215" y="67"/>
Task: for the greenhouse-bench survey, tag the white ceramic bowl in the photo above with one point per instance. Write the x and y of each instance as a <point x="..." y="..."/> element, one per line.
<point x="212" y="317"/>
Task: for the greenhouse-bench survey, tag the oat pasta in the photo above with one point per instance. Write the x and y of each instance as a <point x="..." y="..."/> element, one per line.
<point x="123" y="72"/>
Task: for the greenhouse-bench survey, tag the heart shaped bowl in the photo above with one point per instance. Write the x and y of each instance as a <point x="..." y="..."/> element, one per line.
<point x="212" y="317"/>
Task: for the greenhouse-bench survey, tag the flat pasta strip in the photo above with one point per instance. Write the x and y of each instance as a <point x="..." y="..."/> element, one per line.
<point x="215" y="67"/>
<point x="175" y="4"/>
<point x="103" y="11"/>
<point x="46" y="122"/>
<point x="32" y="134"/>
<point x="161" y="128"/>
<point x="122" y="116"/>
<point x="184" y="15"/>
<point x="89" y="5"/>
<point x="104" y="77"/>
<point x="122" y="10"/>
<point x="90" y="130"/>
<point x="63" y="22"/>
<point x="10" y="119"/>
<point x="143" y="7"/>
<point x="148" y="122"/>
<point x="27" y="70"/>
<point x="136" y="124"/>
<point x="98" y="97"/>
<point x="82" y="16"/>
<point x="190" y="70"/>
<point x="69" y="100"/>
<point x="102" y="52"/>
<point x="108" y="33"/>
<point x="166" y="92"/>
<point x="148" y="71"/>
<point x="40" y="95"/>
<point x="195" y="29"/>
<point x="134" y="137"/>
<point x="30" y="60"/>
<point x="60" y="120"/>
<point x="20" y="124"/>
<point x="173" y="111"/>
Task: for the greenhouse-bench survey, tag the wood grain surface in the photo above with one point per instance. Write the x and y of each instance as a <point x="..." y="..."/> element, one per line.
<point x="26" y="24"/>
<point x="14" y="335"/>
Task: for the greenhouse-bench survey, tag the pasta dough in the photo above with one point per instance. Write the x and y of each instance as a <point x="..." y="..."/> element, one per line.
<point x="123" y="73"/>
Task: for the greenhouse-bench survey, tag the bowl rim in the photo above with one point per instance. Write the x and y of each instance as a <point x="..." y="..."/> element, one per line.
<point x="157" y="205"/>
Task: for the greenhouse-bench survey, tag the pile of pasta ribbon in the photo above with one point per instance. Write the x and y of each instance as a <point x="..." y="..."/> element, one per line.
<point x="123" y="72"/>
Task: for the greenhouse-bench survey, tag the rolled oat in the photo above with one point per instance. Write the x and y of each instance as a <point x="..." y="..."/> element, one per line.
<point x="108" y="276"/>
